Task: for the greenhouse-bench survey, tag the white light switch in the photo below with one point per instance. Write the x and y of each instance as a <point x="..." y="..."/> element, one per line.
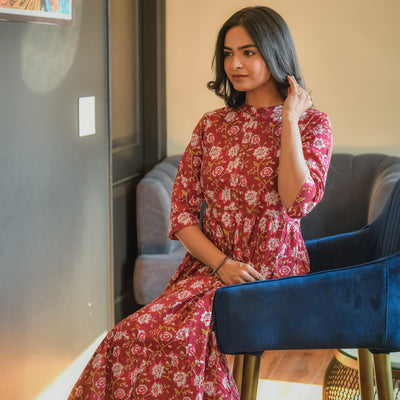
<point x="87" y="116"/>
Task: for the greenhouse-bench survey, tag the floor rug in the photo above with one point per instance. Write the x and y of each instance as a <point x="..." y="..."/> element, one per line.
<point x="279" y="390"/>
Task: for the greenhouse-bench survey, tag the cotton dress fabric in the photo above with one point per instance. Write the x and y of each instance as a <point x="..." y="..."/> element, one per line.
<point x="167" y="350"/>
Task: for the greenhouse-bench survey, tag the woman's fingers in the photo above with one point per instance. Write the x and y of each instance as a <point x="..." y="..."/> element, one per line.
<point x="250" y="274"/>
<point x="237" y="272"/>
<point x="292" y="81"/>
<point x="298" y="100"/>
<point x="293" y="85"/>
<point x="300" y="90"/>
<point x="258" y="276"/>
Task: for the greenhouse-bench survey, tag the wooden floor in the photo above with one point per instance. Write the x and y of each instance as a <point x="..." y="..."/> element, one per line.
<point x="285" y="372"/>
<point x="300" y="366"/>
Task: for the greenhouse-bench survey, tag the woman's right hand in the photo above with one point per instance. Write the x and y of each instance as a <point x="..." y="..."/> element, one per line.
<point x="233" y="272"/>
<point x="206" y="252"/>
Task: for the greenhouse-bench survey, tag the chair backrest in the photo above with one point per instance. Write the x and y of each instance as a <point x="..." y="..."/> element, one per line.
<point x="356" y="190"/>
<point x="386" y="228"/>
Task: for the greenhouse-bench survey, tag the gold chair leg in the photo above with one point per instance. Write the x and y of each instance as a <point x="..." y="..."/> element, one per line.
<point x="383" y="376"/>
<point x="238" y="370"/>
<point x="366" y="374"/>
<point x="251" y="371"/>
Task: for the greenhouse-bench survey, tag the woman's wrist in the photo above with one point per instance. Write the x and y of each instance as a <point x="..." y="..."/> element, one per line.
<point x="215" y="270"/>
<point x="290" y="118"/>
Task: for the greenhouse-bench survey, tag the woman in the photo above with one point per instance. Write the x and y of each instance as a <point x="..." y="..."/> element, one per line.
<point x="260" y="163"/>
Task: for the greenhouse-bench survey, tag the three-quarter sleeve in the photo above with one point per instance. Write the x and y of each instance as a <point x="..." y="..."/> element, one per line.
<point x="187" y="195"/>
<point x="317" y="150"/>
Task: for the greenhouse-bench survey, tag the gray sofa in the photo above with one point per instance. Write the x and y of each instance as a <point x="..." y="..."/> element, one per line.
<point x="356" y="190"/>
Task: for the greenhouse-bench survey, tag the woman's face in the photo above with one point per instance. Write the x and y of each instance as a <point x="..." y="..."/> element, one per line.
<point x="243" y="63"/>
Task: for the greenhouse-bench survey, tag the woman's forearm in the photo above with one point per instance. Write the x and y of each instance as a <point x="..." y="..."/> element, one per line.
<point x="293" y="170"/>
<point x="197" y="244"/>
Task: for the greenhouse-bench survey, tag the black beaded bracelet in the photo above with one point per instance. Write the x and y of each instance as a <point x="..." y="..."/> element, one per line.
<point x="219" y="266"/>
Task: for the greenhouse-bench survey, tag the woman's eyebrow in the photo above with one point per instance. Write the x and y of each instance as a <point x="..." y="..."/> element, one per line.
<point x="246" y="46"/>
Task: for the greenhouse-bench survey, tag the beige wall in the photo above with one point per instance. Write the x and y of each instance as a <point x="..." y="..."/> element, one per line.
<point x="349" y="53"/>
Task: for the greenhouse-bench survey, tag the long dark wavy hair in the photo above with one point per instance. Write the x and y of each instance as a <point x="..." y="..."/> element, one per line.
<point x="273" y="40"/>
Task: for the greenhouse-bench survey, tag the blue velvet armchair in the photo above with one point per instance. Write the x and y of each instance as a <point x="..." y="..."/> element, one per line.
<point x="350" y="299"/>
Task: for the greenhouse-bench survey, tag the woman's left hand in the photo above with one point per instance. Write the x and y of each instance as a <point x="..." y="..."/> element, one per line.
<point x="297" y="100"/>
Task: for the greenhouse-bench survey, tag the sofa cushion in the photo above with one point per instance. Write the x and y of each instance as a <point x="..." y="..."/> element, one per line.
<point x="153" y="272"/>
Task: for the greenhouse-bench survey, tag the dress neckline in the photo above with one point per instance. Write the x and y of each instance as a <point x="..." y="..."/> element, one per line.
<point x="260" y="110"/>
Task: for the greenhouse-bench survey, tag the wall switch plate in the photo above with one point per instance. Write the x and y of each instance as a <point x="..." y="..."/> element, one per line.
<point x="87" y="116"/>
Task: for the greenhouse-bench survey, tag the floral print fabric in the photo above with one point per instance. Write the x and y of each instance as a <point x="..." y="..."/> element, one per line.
<point x="232" y="162"/>
<point x="167" y="350"/>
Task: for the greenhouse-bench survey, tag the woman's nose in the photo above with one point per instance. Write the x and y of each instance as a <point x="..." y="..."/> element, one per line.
<point x="237" y="63"/>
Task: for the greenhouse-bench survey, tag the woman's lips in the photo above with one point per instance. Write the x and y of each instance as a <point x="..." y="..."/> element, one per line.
<point x="238" y="77"/>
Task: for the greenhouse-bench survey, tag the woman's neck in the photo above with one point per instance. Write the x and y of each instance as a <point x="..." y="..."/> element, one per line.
<point x="264" y="98"/>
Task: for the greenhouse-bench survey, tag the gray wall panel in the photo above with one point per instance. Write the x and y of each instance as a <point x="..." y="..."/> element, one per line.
<point x="54" y="198"/>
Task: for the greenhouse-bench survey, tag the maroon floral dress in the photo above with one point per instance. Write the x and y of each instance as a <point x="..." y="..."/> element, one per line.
<point x="167" y="350"/>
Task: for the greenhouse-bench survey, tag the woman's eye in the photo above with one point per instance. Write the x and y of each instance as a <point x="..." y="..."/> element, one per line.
<point x="227" y="54"/>
<point x="249" y="53"/>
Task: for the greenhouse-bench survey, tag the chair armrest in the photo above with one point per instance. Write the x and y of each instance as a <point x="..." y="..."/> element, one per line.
<point x="340" y="251"/>
<point x="354" y="307"/>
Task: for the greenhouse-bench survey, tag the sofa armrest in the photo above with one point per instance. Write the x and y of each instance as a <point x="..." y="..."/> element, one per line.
<point x="153" y="195"/>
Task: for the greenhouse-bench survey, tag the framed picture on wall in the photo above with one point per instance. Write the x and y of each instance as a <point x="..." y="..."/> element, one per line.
<point x="42" y="11"/>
